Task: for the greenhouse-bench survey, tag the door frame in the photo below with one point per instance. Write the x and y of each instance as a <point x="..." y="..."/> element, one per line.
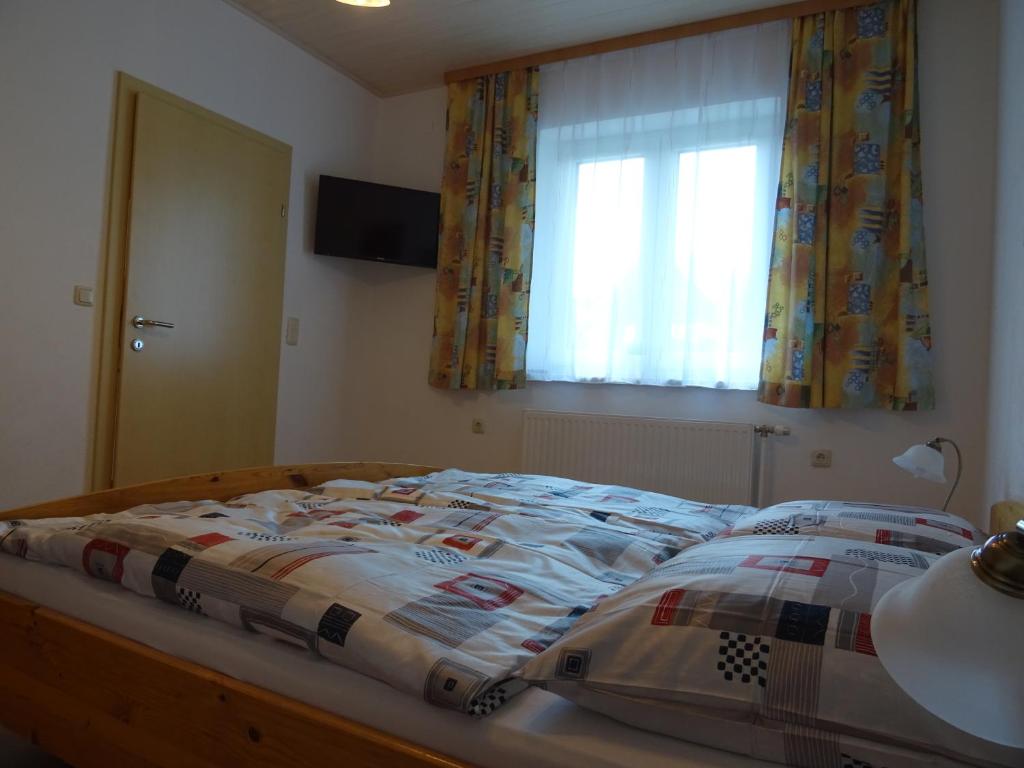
<point x="113" y="270"/>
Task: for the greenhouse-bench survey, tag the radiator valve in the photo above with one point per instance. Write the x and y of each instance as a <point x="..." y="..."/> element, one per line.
<point x="764" y="430"/>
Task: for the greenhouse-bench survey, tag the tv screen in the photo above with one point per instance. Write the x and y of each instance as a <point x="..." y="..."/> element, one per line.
<point x="361" y="220"/>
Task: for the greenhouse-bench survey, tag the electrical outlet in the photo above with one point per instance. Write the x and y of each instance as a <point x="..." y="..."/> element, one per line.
<point x="821" y="458"/>
<point x="478" y="426"/>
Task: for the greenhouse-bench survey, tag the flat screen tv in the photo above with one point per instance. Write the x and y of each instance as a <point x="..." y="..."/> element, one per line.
<point x="361" y="220"/>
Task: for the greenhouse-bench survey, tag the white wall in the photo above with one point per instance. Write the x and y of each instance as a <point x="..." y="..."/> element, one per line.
<point x="356" y="387"/>
<point x="399" y="417"/>
<point x="57" y="65"/>
<point x="1006" y="407"/>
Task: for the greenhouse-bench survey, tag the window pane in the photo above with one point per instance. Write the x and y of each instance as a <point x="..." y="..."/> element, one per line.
<point x="714" y="242"/>
<point x="609" y="214"/>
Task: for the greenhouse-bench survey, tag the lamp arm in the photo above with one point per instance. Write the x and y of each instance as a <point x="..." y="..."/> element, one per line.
<point x="959" y="468"/>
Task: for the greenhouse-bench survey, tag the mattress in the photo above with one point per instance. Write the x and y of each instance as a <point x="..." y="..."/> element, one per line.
<point x="535" y="728"/>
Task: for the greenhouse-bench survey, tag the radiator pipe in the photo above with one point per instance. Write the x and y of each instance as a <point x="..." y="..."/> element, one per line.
<point x="764" y="431"/>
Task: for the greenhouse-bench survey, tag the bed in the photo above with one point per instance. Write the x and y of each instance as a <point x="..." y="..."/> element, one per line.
<point x="110" y="690"/>
<point x="98" y="675"/>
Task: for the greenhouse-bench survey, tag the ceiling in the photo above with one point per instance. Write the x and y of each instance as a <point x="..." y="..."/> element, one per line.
<point x="411" y="44"/>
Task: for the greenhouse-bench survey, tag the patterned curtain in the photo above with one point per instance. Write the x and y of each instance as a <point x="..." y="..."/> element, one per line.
<point x="847" y="321"/>
<point x="486" y="245"/>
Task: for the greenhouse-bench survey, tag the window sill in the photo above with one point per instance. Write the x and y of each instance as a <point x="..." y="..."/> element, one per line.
<point x="720" y="386"/>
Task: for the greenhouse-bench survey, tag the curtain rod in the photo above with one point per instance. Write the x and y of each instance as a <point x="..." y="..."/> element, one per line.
<point x="745" y="19"/>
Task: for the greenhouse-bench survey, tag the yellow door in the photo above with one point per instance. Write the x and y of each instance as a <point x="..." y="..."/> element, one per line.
<point x="206" y="244"/>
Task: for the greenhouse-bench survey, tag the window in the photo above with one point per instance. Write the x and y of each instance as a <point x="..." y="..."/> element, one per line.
<point x="654" y="215"/>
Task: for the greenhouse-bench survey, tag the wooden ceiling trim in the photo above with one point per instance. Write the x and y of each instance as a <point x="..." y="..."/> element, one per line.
<point x="675" y="32"/>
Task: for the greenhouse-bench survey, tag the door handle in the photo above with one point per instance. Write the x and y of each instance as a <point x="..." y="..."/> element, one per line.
<point x="140" y="322"/>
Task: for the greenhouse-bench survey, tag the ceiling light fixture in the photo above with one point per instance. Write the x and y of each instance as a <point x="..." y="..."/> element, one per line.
<point x="367" y="3"/>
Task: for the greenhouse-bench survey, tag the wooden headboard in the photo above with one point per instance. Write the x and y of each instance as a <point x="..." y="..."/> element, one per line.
<point x="1005" y="515"/>
<point x="218" y="485"/>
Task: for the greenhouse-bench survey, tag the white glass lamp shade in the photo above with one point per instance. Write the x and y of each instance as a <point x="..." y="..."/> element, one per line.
<point x="922" y="461"/>
<point x="367" y="3"/>
<point x="953" y="643"/>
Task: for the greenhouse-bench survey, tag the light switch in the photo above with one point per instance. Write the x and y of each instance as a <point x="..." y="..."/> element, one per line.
<point x="83" y="295"/>
<point x="291" y="332"/>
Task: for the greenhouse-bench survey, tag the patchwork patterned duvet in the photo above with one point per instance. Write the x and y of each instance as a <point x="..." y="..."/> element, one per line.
<point x="442" y="586"/>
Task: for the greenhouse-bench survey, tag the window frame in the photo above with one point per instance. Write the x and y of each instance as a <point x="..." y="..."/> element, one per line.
<point x="574" y="151"/>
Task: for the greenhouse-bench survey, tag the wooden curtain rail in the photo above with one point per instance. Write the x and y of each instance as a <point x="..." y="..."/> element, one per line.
<point x="706" y="26"/>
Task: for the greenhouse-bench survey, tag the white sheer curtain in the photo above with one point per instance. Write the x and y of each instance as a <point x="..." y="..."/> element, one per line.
<point x="657" y="172"/>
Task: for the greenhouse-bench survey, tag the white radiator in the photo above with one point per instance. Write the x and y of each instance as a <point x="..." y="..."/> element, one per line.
<point x="708" y="461"/>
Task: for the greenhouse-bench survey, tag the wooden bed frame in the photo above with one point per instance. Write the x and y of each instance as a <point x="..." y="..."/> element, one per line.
<point x="1005" y="515"/>
<point x="96" y="699"/>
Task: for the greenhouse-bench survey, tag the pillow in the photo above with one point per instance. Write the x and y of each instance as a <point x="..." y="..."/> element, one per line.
<point x="613" y="504"/>
<point x="760" y="645"/>
<point x="918" y="528"/>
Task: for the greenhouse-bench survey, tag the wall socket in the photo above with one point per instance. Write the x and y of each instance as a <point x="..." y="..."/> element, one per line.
<point x="478" y="426"/>
<point x="821" y="458"/>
